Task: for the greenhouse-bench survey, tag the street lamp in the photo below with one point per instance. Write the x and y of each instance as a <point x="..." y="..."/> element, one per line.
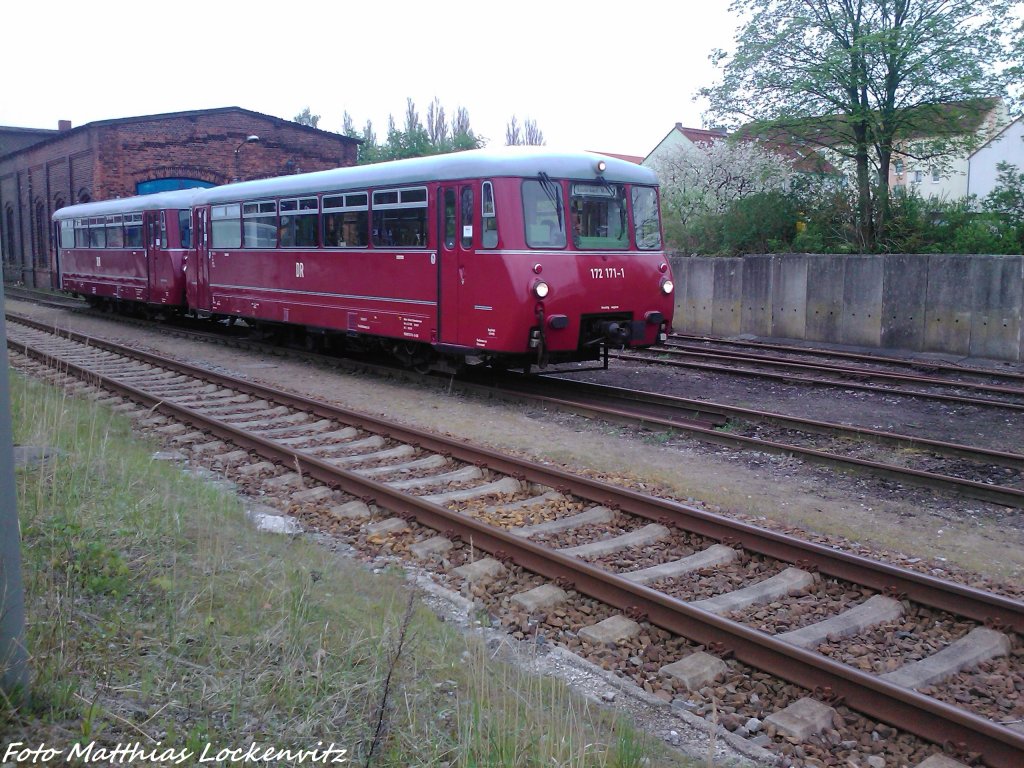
<point x="250" y="139"/>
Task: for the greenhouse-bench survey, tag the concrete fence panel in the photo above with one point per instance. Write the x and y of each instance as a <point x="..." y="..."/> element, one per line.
<point x="861" y="320"/>
<point x="699" y="296"/>
<point x="728" y="305"/>
<point x="904" y="288"/>
<point x="998" y="285"/>
<point x="824" y="298"/>
<point x="789" y="306"/>
<point x="948" y="304"/>
<point x="758" y="285"/>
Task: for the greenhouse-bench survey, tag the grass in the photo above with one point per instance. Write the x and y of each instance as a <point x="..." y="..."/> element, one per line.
<point x="157" y="615"/>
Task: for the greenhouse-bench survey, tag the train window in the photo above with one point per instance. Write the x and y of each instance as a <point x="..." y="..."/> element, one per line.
<point x="411" y="196"/>
<point x="489" y="221"/>
<point x="543" y="214"/>
<point x="646" y="222"/>
<point x="67" y="233"/>
<point x="97" y="232"/>
<point x="400" y="218"/>
<point x="599" y="216"/>
<point x="227" y="225"/>
<point x="467" y="217"/>
<point x="185" y="228"/>
<point x="346" y="220"/>
<point x="298" y="223"/>
<point x="259" y="224"/>
<point x="115" y="232"/>
<point x="81" y="233"/>
<point x="163" y="230"/>
<point x="449" y="218"/>
<point x="133" y="230"/>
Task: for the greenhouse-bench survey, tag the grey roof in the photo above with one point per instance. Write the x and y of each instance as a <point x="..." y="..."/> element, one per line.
<point x="179" y="198"/>
<point x="474" y="163"/>
<point x="492" y="163"/>
<point x="280" y="122"/>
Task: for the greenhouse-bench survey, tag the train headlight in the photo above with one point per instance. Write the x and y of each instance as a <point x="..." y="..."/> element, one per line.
<point x="541" y="289"/>
<point x="667" y="286"/>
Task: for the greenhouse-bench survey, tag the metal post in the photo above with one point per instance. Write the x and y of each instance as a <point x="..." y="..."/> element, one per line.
<point x="13" y="653"/>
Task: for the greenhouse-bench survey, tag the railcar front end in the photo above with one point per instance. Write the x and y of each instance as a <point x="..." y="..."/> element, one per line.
<point x="587" y="268"/>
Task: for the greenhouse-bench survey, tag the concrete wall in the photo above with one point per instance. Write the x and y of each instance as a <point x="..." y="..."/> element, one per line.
<point x="955" y="304"/>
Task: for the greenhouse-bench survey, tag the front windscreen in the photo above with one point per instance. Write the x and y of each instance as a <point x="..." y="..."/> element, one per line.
<point x="645" y="218"/>
<point x="598" y="214"/>
<point x="543" y="214"/>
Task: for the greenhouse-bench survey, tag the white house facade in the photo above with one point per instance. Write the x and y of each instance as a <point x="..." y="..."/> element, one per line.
<point x="1006" y="147"/>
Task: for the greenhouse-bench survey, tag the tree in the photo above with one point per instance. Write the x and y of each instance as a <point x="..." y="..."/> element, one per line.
<point x="437" y="128"/>
<point x="707" y="179"/>
<point x="348" y="126"/>
<point x="414" y="139"/>
<point x="528" y="135"/>
<point x="306" y="117"/>
<point x="1007" y="198"/>
<point x="861" y="77"/>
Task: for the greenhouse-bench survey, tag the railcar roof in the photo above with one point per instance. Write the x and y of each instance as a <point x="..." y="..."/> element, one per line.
<point x="182" y="198"/>
<point x="506" y="161"/>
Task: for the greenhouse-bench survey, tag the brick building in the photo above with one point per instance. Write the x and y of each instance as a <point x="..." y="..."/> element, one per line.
<point x="43" y="170"/>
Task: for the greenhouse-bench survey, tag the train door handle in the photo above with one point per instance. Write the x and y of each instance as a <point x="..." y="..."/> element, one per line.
<point x="462" y="275"/>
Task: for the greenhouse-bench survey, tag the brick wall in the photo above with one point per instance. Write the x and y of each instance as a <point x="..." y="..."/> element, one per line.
<point x="108" y="159"/>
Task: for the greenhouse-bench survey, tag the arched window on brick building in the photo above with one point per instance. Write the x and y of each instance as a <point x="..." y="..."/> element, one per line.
<point x="42" y="237"/>
<point x="9" y="235"/>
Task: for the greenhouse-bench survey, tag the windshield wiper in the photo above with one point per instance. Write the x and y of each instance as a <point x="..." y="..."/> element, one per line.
<point x="552" y="191"/>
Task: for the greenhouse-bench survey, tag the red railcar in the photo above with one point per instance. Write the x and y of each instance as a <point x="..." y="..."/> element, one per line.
<point x="126" y="250"/>
<point x="517" y="256"/>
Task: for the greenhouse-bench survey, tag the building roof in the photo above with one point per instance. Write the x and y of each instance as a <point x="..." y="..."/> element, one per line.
<point x="802" y="158"/>
<point x="57" y="135"/>
<point x="13" y="139"/>
<point x="635" y="159"/>
<point x="919" y="122"/>
<point x="701" y="135"/>
<point x="999" y="135"/>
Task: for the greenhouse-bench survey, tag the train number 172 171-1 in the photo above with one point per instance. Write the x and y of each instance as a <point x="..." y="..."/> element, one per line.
<point x="599" y="273"/>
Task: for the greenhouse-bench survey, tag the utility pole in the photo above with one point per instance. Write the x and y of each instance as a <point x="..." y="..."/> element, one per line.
<point x="13" y="654"/>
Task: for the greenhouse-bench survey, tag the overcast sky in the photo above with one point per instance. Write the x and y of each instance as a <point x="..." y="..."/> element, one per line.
<point x="597" y="75"/>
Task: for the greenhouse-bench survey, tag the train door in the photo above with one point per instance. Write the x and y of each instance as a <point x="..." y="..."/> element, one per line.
<point x="153" y="253"/>
<point x="158" y="259"/>
<point x="456" y="209"/>
<point x="197" y="269"/>
<point x="448" y="272"/>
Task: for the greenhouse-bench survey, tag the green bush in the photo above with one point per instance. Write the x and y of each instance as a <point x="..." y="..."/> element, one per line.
<point x="761" y="223"/>
<point x="825" y="222"/>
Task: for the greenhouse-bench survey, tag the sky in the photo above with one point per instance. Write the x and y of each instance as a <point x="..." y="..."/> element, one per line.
<point x="598" y="75"/>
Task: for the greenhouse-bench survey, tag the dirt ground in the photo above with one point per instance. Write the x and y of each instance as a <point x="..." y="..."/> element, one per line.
<point x="970" y="540"/>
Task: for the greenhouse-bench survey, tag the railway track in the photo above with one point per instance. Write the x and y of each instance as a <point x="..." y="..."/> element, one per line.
<point x="952" y="371"/>
<point x="991" y="475"/>
<point x="673" y="596"/>
<point x="958" y="389"/>
<point x="995" y="476"/>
